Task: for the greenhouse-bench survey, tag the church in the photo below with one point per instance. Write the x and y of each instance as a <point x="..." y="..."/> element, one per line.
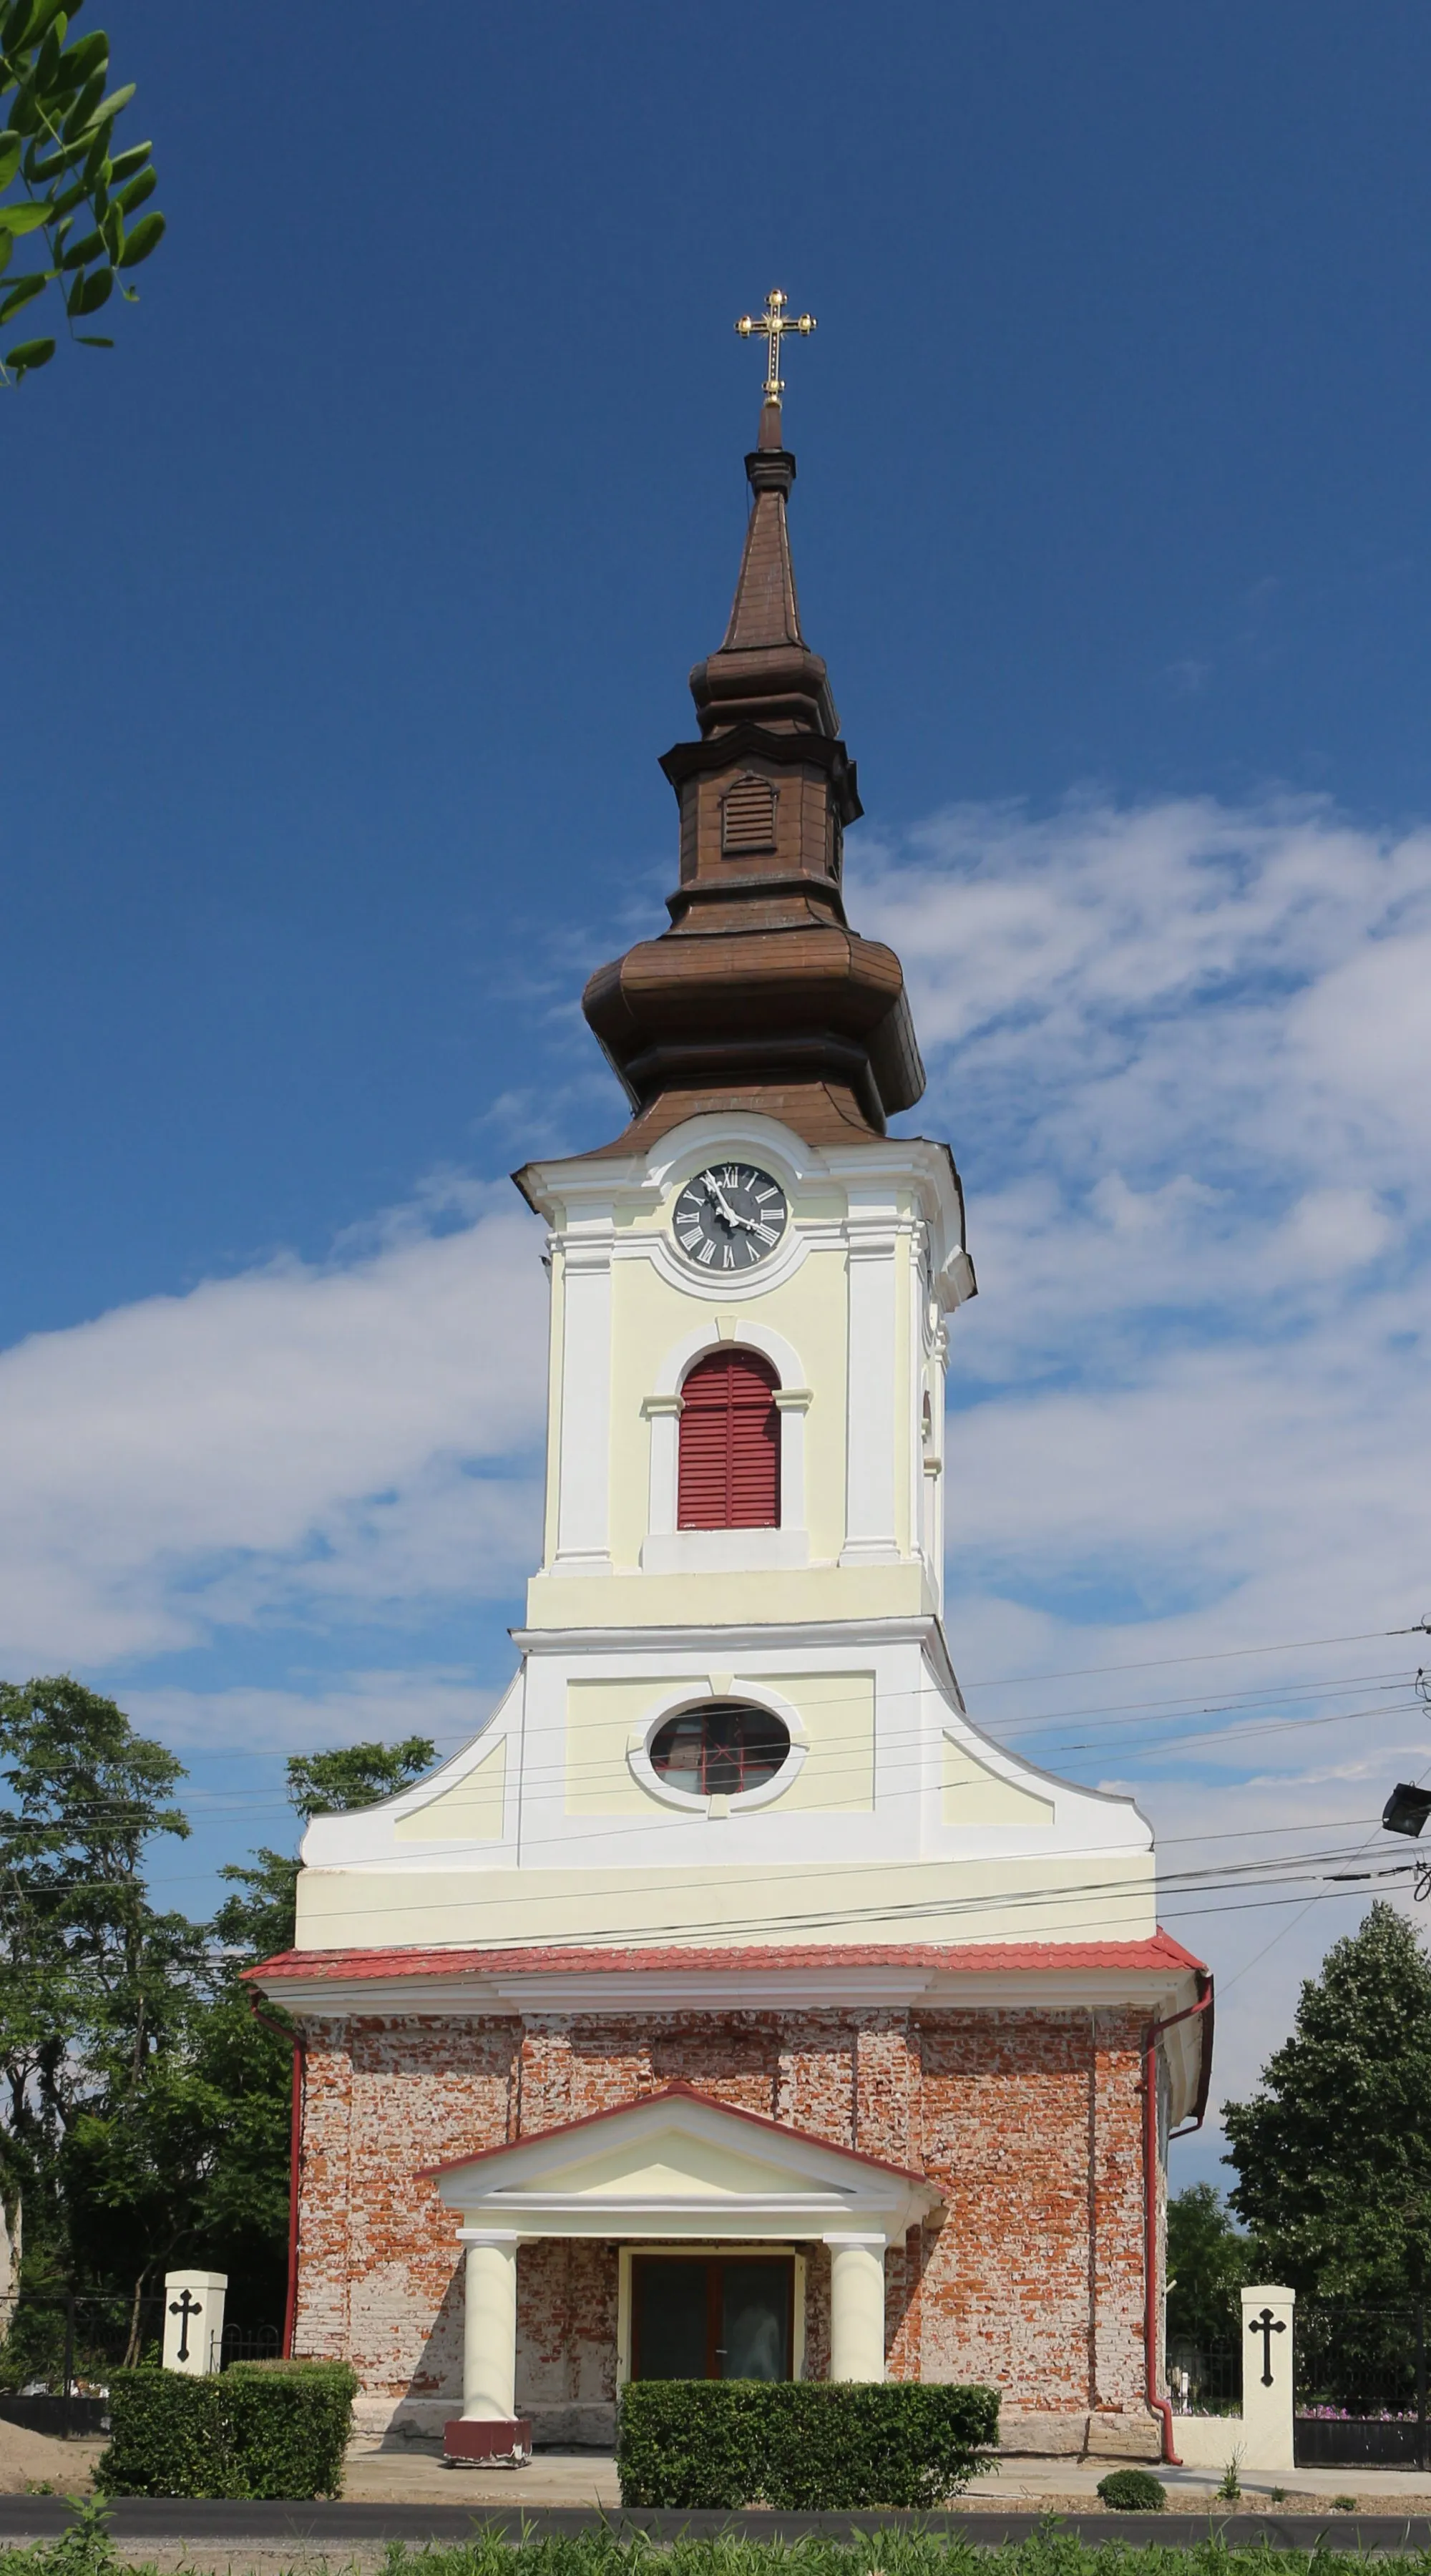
<point x="731" y="2005"/>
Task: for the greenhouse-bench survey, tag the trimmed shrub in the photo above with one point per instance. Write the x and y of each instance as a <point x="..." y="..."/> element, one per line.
<point x="802" y="2446"/>
<point x="1133" y="2491"/>
<point x="258" y="2429"/>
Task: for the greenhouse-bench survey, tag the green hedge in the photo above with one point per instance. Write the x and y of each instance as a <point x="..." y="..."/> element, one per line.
<point x="804" y="2446"/>
<point x="257" y="2429"/>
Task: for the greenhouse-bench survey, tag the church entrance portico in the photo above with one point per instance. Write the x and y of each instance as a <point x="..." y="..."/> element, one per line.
<point x="712" y="2209"/>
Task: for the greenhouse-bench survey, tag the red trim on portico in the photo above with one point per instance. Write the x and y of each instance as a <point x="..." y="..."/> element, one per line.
<point x="784" y="2129"/>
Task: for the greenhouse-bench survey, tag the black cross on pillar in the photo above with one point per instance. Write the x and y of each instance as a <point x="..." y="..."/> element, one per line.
<point x="184" y="2308"/>
<point x="1266" y="2325"/>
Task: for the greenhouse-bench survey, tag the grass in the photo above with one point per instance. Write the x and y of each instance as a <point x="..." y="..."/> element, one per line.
<point x="86" y="2549"/>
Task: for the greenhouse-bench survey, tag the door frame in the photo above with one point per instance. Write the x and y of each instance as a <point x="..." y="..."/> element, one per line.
<point x="773" y="2249"/>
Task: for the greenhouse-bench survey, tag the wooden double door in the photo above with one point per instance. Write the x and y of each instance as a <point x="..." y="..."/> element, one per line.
<point x="712" y="2316"/>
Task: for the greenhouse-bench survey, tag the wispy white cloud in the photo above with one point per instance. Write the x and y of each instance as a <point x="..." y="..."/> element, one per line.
<point x="329" y="1443"/>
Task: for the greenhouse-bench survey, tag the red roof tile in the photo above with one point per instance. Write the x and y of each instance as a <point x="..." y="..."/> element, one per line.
<point x="974" y="1958"/>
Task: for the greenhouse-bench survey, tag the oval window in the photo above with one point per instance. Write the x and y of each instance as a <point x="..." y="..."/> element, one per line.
<point x="720" y="1749"/>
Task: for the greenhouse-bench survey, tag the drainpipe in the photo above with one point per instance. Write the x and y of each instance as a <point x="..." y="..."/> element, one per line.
<point x="1162" y="2406"/>
<point x="288" y="2031"/>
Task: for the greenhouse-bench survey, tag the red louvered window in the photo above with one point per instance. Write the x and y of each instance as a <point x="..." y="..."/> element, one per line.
<point x="730" y="1444"/>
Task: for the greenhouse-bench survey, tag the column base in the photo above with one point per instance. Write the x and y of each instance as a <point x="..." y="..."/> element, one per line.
<point x="487" y="2441"/>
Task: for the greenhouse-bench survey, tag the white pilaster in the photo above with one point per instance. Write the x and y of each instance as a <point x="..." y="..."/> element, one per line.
<point x="792" y="1403"/>
<point x="870" y="1392"/>
<point x="856" y="2307"/>
<point x="489" y="2326"/>
<point x="1268" y="2321"/>
<point x="663" y="1412"/>
<point x="583" y="1504"/>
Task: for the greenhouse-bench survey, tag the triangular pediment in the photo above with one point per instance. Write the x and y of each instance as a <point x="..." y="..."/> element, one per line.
<point x="679" y="2158"/>
<point x="675" y="2160"/>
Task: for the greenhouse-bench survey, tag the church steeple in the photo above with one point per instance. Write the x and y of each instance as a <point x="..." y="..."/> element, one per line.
<point x="760" y="996"/>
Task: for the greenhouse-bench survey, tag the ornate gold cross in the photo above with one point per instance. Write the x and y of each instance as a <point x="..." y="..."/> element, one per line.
<point x="771" y="326"/>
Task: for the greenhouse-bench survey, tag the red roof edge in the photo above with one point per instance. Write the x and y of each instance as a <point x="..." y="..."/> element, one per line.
<point x="670" y="2093"/>
<point x="976" y="1958"/>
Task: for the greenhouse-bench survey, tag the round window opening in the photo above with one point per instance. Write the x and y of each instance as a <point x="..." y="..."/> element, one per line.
<point x="720" y="1749"/>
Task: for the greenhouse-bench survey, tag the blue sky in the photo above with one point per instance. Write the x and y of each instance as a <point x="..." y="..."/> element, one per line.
<point x="352" y="601"/>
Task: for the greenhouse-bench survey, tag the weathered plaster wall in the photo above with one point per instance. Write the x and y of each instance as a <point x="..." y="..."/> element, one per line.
<point x="1030" y="2122"/>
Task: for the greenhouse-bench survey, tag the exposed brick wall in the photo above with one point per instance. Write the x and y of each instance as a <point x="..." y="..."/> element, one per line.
<point x="1028" y="2120"/>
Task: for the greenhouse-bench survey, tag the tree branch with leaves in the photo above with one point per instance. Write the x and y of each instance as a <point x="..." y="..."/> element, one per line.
<point x="61" y="182"/>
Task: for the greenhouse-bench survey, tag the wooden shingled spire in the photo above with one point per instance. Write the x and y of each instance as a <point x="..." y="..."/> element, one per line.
<point x="760" y="996"/>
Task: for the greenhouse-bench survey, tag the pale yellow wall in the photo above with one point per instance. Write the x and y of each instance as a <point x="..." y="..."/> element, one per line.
<point x="1069" y="1897"/>
<point x="837" y="1775"/>
<point x="470" y="1811"/>
<point x="730" y="1600"/>
<point x="974" y="1795"/>
<point x="836" y="1710"/>
<point x="600" y="1717"/>
<point x="650" y="1316"/>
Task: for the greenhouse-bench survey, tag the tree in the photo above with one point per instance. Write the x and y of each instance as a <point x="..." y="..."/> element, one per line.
<point x="1208" y="2261"/>
<point x="61" y="181"/>
<point x="144" y="2106"/>
<point x="262" y="1920"/>
<point x="1333" y="2152"/>
<point x="93" y="1978"/>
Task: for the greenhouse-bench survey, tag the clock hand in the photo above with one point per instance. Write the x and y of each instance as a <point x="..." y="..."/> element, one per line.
<point x="714" y="1191"/>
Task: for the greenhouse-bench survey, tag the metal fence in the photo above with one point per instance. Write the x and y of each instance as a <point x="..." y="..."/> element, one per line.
<point x="1206" y="2378"/>
<point x="1360" y="2385"/>
<point x="58" y="2347"/>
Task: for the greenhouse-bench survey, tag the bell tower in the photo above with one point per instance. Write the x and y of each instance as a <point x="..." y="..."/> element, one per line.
<point x="734" y="1652"/>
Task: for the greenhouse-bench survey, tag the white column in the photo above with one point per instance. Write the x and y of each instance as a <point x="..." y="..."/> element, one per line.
<point x="194" y="2321"/>
<point x="869" y="1405"/>
<point x="584" y="1468"/>
<point x="489" y="2327"/>
<point x="856" y="2307"/>
<point x="1268" y="2320"/>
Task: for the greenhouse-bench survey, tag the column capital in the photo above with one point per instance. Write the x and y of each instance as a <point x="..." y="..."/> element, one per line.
<point x="502" y="2237"/>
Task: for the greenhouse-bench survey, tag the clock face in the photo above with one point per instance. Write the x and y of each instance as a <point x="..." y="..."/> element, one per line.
<point x="729" y="1217"/>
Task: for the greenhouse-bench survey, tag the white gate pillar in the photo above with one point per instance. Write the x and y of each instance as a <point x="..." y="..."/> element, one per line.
<point x="856" y="2307"/>
<point x="194" y="2321"/>
<point x="1268" y="2320"/>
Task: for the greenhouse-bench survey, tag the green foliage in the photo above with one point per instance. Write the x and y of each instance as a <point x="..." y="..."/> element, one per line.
<point x="1333" y="2152"/>
<point x="281" y="2431"/>
<point x="328" y="1784"/>
<point x="1133" y="2491"/>
<point x="803" y="2446"/>
<point x="1208" y="2261"/>
<point x="59" y="172"/>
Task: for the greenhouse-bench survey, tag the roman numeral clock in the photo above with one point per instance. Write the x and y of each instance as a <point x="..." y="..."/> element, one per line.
<point x="730" y="1216"/>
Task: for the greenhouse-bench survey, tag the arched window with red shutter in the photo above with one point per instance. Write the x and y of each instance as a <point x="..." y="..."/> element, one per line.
<point x="729" y="1444"/>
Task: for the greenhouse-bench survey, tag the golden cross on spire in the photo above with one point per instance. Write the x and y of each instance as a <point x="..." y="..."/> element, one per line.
<point x="771" y="326"/>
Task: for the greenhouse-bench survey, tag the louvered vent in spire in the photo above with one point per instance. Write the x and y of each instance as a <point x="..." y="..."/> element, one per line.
<point x="748" y="817"/>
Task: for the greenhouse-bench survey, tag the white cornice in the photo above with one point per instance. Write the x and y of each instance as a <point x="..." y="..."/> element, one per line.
<point x="636" y="1989"/>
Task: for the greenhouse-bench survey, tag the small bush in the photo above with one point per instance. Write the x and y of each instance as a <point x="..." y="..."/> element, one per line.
<point x="803" y="2447"/>
<point x="259" y="2429"/>
<point x="1132" y="2491"/>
